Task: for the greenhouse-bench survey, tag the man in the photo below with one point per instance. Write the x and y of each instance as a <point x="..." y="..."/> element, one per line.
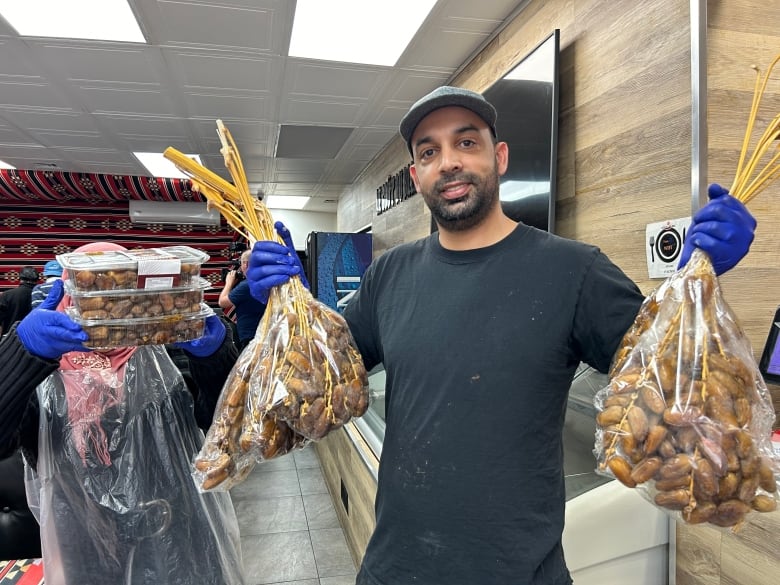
<point x="236" y="294"/>
<point x="16" y="303"/>
<point x="480" y="327"/>
<point x="52" y="270"/>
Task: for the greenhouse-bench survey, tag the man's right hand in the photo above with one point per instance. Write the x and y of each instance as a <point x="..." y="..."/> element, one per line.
<point x="272" y="264"/>
<point x="230" y="278"/>
<point x="47" y="333"/>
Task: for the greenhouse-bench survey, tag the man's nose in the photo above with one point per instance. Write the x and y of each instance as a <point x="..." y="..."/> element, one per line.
<point x="450" y="160"/>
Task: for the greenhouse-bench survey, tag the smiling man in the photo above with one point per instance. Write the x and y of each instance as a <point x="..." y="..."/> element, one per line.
<point x="480" y="327"/>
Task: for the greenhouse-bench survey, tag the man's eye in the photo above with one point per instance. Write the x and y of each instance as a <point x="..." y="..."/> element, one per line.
<point x="428" y="152"/>
<point x="467" y="142"/>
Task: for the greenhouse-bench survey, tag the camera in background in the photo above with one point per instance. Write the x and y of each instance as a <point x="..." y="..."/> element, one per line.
<point x="234" y="261"/>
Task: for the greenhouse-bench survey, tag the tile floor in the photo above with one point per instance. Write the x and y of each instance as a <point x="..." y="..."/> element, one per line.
<point x="290" y="534"/>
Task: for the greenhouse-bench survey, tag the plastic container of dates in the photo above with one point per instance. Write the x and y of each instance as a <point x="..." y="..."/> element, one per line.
<point x="137" y="303"/>
<point x="160" y="330"/>
<point x="166" y="267"/>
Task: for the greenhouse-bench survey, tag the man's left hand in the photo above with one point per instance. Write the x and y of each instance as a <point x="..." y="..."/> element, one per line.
<point x="723" y="228"/>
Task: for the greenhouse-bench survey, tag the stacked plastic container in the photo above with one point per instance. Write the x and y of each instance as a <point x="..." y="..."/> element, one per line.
<point x="137" y="297"/>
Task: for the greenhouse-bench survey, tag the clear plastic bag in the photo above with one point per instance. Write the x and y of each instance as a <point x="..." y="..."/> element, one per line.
<point x="221" y="462"/>
<point x="300" y="378"/>
<point x="687" y="418"/>
<point x="310" y="375"/>
<point x="111" y="488"/>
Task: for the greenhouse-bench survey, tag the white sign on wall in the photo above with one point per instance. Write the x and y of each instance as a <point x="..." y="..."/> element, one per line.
<point x="663" y="246"/>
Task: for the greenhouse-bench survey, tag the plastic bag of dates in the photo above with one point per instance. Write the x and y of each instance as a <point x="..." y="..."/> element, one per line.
<point x="687" y="417"/>
<point x="298" y="379"/>
<point x="227" y="455"/>
<point x="309" y="374"/>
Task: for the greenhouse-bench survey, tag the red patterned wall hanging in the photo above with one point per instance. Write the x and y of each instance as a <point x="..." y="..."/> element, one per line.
<point x="33" y="233"/>
<point x="58" y="186"/>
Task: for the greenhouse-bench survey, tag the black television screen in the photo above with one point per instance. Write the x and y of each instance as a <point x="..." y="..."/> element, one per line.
<point x="769" y="365"/>
<point x="526" y="100"/>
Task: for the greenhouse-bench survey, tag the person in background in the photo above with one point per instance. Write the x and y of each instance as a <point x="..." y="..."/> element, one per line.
<point x="16" y="303"/>
<point x="108" y="437"/>
<point x="52" y="270"/>
<point x="480" y="327"/>
<point x="235" y="294"/>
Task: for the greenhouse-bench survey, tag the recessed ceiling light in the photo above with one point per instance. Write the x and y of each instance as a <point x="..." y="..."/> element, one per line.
<point x="159" y="166"/>
<point x="285" y="201"/>
<point x="5" y="165"/>
<point x="374" y="33"/>
<point x="105" y="20"/>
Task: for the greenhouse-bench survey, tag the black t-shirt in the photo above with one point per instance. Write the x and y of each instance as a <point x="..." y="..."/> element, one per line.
<point x="479" y="349"/>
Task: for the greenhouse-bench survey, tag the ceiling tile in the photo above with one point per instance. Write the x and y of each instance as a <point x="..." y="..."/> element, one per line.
<point x="98" y="156"/>
<point x="345" y="171"/>
<point x="294" y="188"/>
<point x="450" y="49"/>
<point x="144" y="143"/>
<point x="225" y="72"/>
<point x="322" y="79"/>
<point x="10" y="135"/>
<point x="300" y="165"/>
<point x="53" y="120"/>
<point x="311" y="141"/>
<point x="71" y="139"/>
<point x="241" y="130"/>
<point x="323" y="111"/>
<point x="217" y="26"/>
<point x="125" y="100"/>
<point x="99" y="63"/>
<point x="214" y="106"/>
<point x="30" y="94"/>
<point x="154" y="126"/>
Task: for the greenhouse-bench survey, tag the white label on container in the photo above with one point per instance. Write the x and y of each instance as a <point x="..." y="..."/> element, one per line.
<point x="158" y="270"/>
<point x="158" y="281"/>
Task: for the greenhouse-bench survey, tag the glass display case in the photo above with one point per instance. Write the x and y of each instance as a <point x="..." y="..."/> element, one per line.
<point x="579" y="432"/>
<point x="372" y="424"/>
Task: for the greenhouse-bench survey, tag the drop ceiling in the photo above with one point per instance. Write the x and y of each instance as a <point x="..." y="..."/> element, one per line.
<point x="86" y="106"/>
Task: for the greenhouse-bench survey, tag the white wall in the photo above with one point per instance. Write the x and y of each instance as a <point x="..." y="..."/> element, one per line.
<point x="302" y="223"/>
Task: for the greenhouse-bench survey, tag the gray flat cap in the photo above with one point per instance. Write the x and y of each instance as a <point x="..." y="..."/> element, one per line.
<point x="442" y="97"/>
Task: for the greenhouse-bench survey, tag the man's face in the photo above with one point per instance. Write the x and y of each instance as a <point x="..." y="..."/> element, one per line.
<point x="457" y="167"/>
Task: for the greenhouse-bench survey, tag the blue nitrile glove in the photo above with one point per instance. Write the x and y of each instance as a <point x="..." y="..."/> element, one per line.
<point x="723" y="228"/>
<point x="285" y="234"/>
<point x="272" y="264"/>
<point x="47" y="333"/>
<point x="211" y="340"/>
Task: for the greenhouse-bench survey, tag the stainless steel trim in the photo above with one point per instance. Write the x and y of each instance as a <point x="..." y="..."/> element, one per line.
<point x="372" y="427"/>
<point x="698" y="104"/>
<point x="363" y="449"/>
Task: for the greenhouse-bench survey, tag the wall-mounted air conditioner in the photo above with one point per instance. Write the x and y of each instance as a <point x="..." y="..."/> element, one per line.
<point x="184" y="212"/>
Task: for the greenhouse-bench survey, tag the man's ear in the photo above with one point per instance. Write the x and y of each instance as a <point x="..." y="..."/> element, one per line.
<point x="413" y="173"/>
<point x="502" y="157"/>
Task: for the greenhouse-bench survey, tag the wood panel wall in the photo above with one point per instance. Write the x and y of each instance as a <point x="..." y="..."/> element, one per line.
<point x="740" y="34"/>
<point x="624" y="160"/>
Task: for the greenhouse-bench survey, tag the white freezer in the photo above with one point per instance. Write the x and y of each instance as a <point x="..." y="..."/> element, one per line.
<point x="612" y="536"/>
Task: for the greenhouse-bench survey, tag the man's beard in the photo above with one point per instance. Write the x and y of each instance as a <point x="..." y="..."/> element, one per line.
<point x="464" y="213"/>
